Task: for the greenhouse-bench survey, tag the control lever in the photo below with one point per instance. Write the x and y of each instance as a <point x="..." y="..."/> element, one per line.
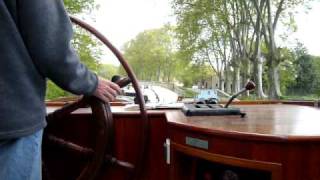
<point x="121" y="81"/>
<point x="248" y="87"/>
<point x="216" y="109"/>
<point x="124" y="81"/>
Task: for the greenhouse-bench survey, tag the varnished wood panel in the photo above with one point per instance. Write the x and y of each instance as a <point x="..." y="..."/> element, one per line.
<point x="77" y="128"/>
<point x="263" y="122"/>
<point x="274" y="168"/>
<point x="273" y="133"/>
<point x="299" y="160"/>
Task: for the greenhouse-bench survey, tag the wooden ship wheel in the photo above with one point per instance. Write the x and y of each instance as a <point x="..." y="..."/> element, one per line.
<point x="95" y="147"/>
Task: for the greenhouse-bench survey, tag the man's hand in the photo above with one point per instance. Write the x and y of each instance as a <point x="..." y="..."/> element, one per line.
<point x="106" y="90"/>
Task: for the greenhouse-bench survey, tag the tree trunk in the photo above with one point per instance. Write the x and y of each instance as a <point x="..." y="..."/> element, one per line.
<point x="158" y="73"/>
<point x="236" y="80"/>
<point x="221" y="84"/>
<point x="258" y="72"/>
<point x="274" y="87"/>
<point x="246" y="75"/>
<point x="169" y="76"/>
<point x="221" y="81"/>
<point x="213" y="82"/>
<point x="228" y="81"/>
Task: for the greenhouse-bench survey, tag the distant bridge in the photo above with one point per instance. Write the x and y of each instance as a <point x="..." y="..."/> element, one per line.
<point x="180" y="91"/>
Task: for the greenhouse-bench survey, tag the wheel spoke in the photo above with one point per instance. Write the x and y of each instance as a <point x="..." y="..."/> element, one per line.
<point x="85" y="152"/>
<point x="115" y="162"/>
<point x="69" y="146"/>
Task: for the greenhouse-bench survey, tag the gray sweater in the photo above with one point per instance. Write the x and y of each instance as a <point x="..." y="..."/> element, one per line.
<point x="35" y="45"/>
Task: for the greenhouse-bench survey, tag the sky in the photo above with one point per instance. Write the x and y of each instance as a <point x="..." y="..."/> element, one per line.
<point x="121" y="20"/>
<point x="309" y="28"/>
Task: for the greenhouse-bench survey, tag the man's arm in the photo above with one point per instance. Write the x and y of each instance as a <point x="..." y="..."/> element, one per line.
<point x="47" y="32"/>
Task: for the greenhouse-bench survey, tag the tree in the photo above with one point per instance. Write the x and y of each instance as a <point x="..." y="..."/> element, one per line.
<point x="287" y="70"/>
<point x="196" y="74"/>
<point x="241" y="29"/>
<point x="152" y="55"/>
<point x="270" y="16"/>
<point x="307" y="80"/>
<point x="200" y="41"/>
<point x="223" y="31"/>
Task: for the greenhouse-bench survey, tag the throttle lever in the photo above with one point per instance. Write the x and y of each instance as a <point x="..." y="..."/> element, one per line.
<point x="121" y="81"/>
<point x="248" y="87"/>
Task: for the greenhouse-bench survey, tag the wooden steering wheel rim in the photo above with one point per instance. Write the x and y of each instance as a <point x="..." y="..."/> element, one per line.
<point x="135" y="84"/>
<point x="145" y="138"/>
<point x="103" y="114"/>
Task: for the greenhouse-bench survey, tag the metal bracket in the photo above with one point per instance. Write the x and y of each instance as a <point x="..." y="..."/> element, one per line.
<point x="166" y="146"/>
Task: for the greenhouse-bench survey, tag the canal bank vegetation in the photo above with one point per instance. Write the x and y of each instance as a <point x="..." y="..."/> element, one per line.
<point x="216" y="44"/>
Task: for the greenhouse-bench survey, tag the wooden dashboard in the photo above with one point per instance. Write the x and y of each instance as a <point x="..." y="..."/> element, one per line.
<point x="275" y="141"/>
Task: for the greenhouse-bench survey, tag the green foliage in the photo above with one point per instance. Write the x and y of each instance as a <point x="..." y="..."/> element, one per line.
<point x="310" y="97"/>
<point x="194" y="74"/>
<point x="318" y="93"/>
<point x="287" y="77"/>
<point x="107" y="71"/>
<point x="53" y="91"/>
<point x="287" y="69"/>
<point x="202" y="32"/>
<point x="308" y="76"/>
<point x="151" y="55"/>
<point x="87" y="48"/>
<point x="79" y="6"/>
<point x="238" y="34"/>
<point x="300" y="74"/>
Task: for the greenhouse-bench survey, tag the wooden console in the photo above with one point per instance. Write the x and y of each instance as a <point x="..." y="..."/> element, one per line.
<point x="273" y="142"/>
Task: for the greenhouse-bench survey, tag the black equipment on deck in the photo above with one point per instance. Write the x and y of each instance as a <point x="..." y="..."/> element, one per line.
<point x="203" y="109"/>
